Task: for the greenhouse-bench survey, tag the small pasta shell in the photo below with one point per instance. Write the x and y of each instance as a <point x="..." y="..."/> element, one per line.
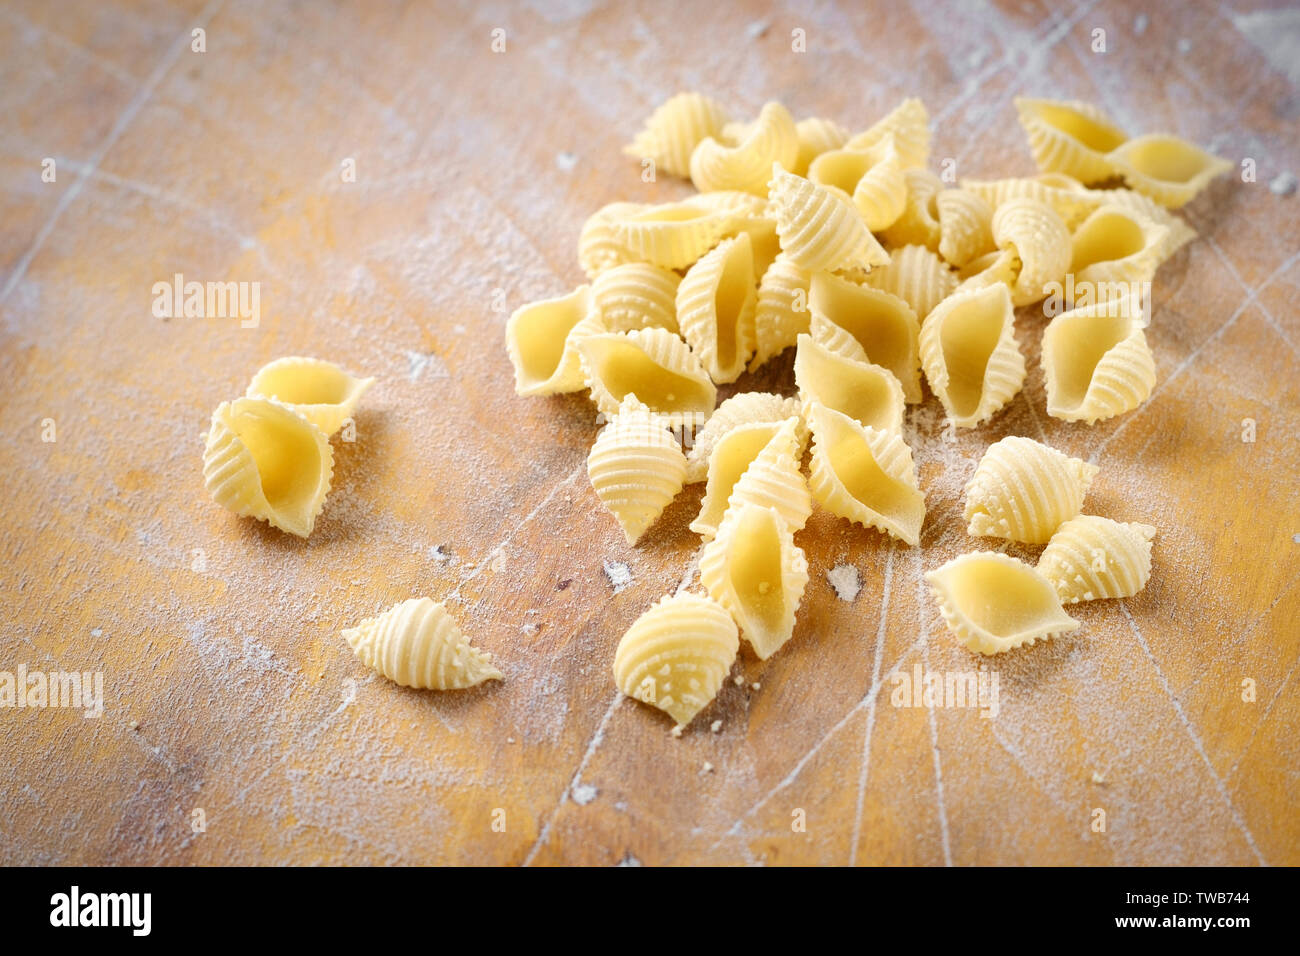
<point x="816" y="136"/>
<point x="1091" y="558"/>
<point x="1170" y="170"/>
<point x="599" y="246"/>
<point x="653" y="365"/>
<point x="970" y="355"/>
<point x="319" y="391"/>
<point x="1040" y="240"/>
<point x="744" y="408"/>
<point x="676" y="655"/>
<point x="1116" y="246"/>
<point x="909" y="124"/>
<point x="865" y="475"/>
<point x="417" y="644"/>
<point x="674" y="129"/>
<point x="873" y="180"/>
<point x="774" y="479"/>
<point x="1097" y="361"/>
<point x="542" y="340"/>
<point x="965" y="226"/>
<point x="918" y="224"/>
<point x="636" y="468"/>
<point x="882" y="325"/>
<point x="715" y="308"/>
<point x="747" y="165"/>
<point x="995" y="603"/>
<point x="672" y="235"/>
<point x="865" y="392"/>
<point x="754" y="569"/>
<point x="819" y="229"/>
<point x="1070" y="137"/>
<point x="782" y="309"/>
<point x="733" y="453"/>
<point x="637" y="295"/>
<point x="1024" y="491"/>
<point x="917" y="276"/>
<point x="263" y="460"/>
<point x="1178" y="234"/>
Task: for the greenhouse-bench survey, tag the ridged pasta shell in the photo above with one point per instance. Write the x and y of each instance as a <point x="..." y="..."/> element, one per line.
<point x="676" y="655"/>
<point x="747" y="165"/>
<point x="417" y="644"/>
<point x="672" y="235"/>
<point x="819" y="229"/>
<point x="774" y="479"/>
<point x="816" y="136"/>
<point x="745" y="408"/>
<point x="867" y="393"/>
<point x="656" y="367"/>
<point x="970" y="355"/>
<point x="1115" y="245"/>
<point x="599" y="247"/>
<point x="873" y="180"/>
<point x="263" y="460"/>
<point x="782" y="310"/>
<point x="636" y="468"/>
<point x="1097" y="361"/>
<point x="918" y="224"/>
<point x="715" y="308"/>
<point x="1091" y="559"/>
<point x="918" y="277"/>
<point x="733" y="453"/>
<point x="637" y="295"/>
<point x="754" y="569"/>
<point x="1067" y="197"/>
<point x="1070" y="137"/>
<point x="909" y="124"/>
<point x="992" y="268"/>
<point x="1170" y="170"/>
<point x="965" y="226"/>
<point x="1041" y="242"/>
<point x="880" y="323"/>
<point x="319" y="391"/>
<point x="865" y="475"/>
<point x="1178" y="232"/>
<point x="994" y="603"/>
<point x="1024" y="491"/>
<point x="674" y="129"/>
<point x="542" y="340"/>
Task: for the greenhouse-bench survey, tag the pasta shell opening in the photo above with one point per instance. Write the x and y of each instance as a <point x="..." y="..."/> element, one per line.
<point x="644" y="364"/>
<point x="540" y="346"/>
<point x="318" y="390"/>
<point x="865" y="392"/>
<point x="1097" y="361"/>
<point x="1168" y="169"/>
<point x="977" y="367"/>
<point x="883" y="326"/>
<point x="715" y="308"/>
<point x="733" y="453"/>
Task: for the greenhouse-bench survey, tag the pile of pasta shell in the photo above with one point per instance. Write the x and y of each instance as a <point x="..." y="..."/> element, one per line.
<point x="847" y="248"/>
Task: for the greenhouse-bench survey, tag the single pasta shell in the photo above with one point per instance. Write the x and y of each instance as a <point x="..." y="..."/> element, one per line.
<point x="1041" y="242"/>
<point x="994" y="603"/>
<point x="676" y="655"/>
<point x="637" y="295"/>
<point x="636" y="468"/>
<point x="1170" y="170"/>
<point x="746" y="165"/>
<point x="319" y="391"/>
<point x="715" y="308"/>
<point x="918" y="225"/>
<point x="599" y="246"/>
<point x="1091" y="558"/>
<point x="542" y="341"/>
<point x="781" y="313"/>
<point x="417" y="644"/>
<point x="1116" y="246"/>
<point x="1179" y="232"/>
<point x="674" y="129"/>
<point x="1097" y="361"/>
<point x="819" y="229"/>
<point x="1024" y="491"/>
<point x="867" y="393"/>
<point x="867" y="324"/>
<point x="1070" y="137"/>
<point x="672" y="235"/>
<point x="732" y="454"/>
<point x="817" y="136"/>
<point x="918" y="277"/>
<point x="774" y="478"/>
<point x="909" y="125"/>
<point x="741" y="409"/>
<point x="653" y="365"/>
<point x="970" y="355"/>
<point x="965" y="226"/>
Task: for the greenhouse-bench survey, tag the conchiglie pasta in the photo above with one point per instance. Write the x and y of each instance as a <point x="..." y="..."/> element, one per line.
<point x="715" y="308"/>
<point x="872" y="179"/>
<point x="994" y="603"/>
<point x="819" y="229"/>
<point x="1070" y="137"/>
<point x="732" y="454"/>
<point x="636" y="468"/>
<point x="1066" y="196"/>
<point x="782" y="310"/>
<point x="882" y="325"/>
<point x="542" y="341"/>
<point x="909" y="125"/>
<point x="599" y="245"/>
<point x="867" y="393"/>
<point x="417" y="644"/>
<point x="672" y="235"/>
<point x="1115" y="246"/>
<point x="653" y="365"/>
<point x="970" y="355"/>
<point x="965" y="226"/>
<point x="263" y="460"/>
<point x="1024" y="491"/>
<point x="636" y="295"/>
<point x="320" y="391"/>
<point x="918" y="224"/>
<point x="745" y="408"/>
<point x="1097" y="361"/>
<point x="1178" y="232"/>
<point x="676" y="655"/>
<point x="1040" y="240"/>
<point x="774" y="479"/>
<point x="817" y="136"/>
<point x="917" y="276"/>
<point x="1091" y="558"/>
<point x="674" y="130"/>
<point x="1170" y="170"/>
<point x="754" y="569"/>
<point x="747" y="165"/>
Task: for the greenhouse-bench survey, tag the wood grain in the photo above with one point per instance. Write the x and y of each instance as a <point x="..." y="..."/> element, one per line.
<point x="227" y="686"/>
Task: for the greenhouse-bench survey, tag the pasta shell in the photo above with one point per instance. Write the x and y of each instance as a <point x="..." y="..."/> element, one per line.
<point x="653" y="365"/>
<point x="819" y="229"/>
<point x="417" y="644"/>
<point x="672" y="235"/>
<point x="1178" y="232"/>
<point x="970" y="355"/>
<point x="733" y="453"/>
<point x="715" y="308"/>
<point x="782" y="309"/>
<point x="1041" y="242"/>
<point x="866" y="393"/>
<point x="747" y="164"/>
<point x="637" y="295"/>
<point x="865" y="475"/>
<point x="674" y="129"/>
<point x="1065" y="195"/>
<point x="542" y="339"/>
<point x="636" y="468"/>
<point x="816" y="136"/>
<point x="994" y="603"/>
<point x="1024" y="491"/>
<point x="1097" y="361"/>
<point x="1070" y="137"/>
<point x="909" y="124"/>
<point x="754" y="569"/>
<point x="881" y="324"/>
<point x="918" y="224"/>
<point x="918" y="277"/>
<point x="263" y="460"/>
<point x="774" y="479"/>
<point x="1091" y="558"/>
<point x="1168" y="169"/>
<point x="319" y="391"/>
<point x="744" y="408"/>
<point x="965" y="226"/>
<point x="872" y="179"/>
<point x="990" y="269"/>
<point x="1116" y="246"/>
<point x="599" y="246"/>
<point x="676" y="655"/>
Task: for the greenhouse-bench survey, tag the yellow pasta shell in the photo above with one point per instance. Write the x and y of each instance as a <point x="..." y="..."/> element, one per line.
<point x="1041" y="242"/>
<point x="1097" y="361"/>
<point x="881" y="325"/>
<point x="747" y="165"/>
<point x="745" y="408"/>
<point x="965" y="226"/>
<point x="781" y="312"/>
<point x="867" y="393"/>
<point x="636" y="468"/>
<point x="918" y="277"/>
<point x="715" y="308"/>
<point x="1024" y="491"/>
<point x="653" y="365"/>
<point x="909" y="124"/>
<point x="599" y="246"/>
<point x="1091" y="558"/>
<point x="417" y="644"/>
<point x="1170" y="170"/>
<point x="817" y="136"/>
<point x="1070" y="137"/>
<point x="819" y="229"/>
<point x="918" y="223"/>
<point x="637" y="295"/>
<point x="672" y="235"/>
<point x="674" y="129"/>
<point x="319" y="391"/>
<point x="542" y="341"/>
<point x="970" y="355"/>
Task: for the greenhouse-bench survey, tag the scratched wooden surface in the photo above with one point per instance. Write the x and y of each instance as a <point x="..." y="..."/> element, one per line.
<point x="227" y="688"/>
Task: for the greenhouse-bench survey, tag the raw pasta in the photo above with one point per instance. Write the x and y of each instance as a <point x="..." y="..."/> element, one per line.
<point x="1091" y="558"/>
<point x="320" y="391"/>
<point x="674" y="130"/>
<point x="732" y="455"/>
<point x="1114" y="246"/>
<point x="774" y="479"/>
<point x="754" y="569"/>
<point x="820" y="229"/>
<point x="816" y="136"/>
<point x="865" y="475"/>
<point x="655" y="366"/>
<point x="636" y="468"/>
<point x="1039" y="239"/>
<point x="970" y="355"/>
<point x="1024" y="491"/>
<point x="715" y="308"/>
<point x="909" y="125"/>
<point x="747" y="165"/>
<point x="1097" y="361"/>
<point x="1070" y="137"/>
<point x="918" y="224"/>
<point x="872" y="179"/>
<point x="1170" y="170"/>
<point x="865" y="392"/>
<point x="599" y="247"/>
<point x="672" y="235"/>
<point x="263" y="460"/>
<point x="965" y="226"/>
<point x="743" y="409"/>
<point x="1179" y="232"/>
<point x="1067" y="196"/>
<point x="636" y="295"/>
<point x="542" y="339"/>
<point x="782" y="310"/>
<point x="918" y="277"/>
<point x="417" y="644"/>
<point x="676" y="655"/>
<point x="995" y="603"/>
<point x="881" y="325"/>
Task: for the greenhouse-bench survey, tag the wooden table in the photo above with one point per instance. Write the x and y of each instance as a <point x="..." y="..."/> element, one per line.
<point x="227" y="687"/>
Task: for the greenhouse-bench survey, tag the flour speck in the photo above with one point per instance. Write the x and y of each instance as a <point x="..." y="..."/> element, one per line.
<point x="1284" y="184"/>
<point x="619" y="574"/>
<point x="846" y="581"/>
<point x="583" y="794"/>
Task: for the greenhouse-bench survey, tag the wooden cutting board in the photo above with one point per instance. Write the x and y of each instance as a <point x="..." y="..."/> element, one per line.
<point x="227" y="687"/>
